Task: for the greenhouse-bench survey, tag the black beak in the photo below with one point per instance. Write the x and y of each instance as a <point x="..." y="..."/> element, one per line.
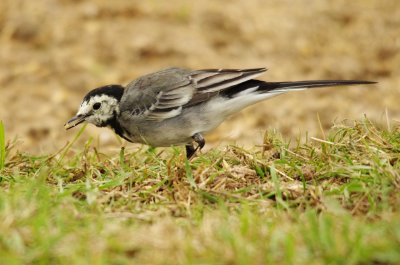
<point x="75" y="121"/>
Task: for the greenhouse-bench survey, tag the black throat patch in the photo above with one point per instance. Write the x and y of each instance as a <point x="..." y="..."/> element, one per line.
<point x="114" y="124"/>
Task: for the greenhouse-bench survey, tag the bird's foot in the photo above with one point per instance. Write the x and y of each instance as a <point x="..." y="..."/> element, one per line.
<point x="190" y="149"/>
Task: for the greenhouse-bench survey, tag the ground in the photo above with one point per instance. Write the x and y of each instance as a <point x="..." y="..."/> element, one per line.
<point x="53" y="52"/>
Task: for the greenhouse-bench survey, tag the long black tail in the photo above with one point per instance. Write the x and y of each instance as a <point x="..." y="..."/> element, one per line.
<point x="311" y="84"/>
<point x="281" y="87"/>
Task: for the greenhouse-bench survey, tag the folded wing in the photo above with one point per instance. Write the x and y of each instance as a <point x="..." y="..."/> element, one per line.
<point x="163" y="95"/>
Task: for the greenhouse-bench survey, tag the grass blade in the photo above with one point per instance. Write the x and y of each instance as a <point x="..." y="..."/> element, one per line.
<point x="77" y="135"/>
<point x="2" y="146"/>
<point x="189" y="175"/>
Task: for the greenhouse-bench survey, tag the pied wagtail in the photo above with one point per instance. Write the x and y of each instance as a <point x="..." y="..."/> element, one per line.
<point x="177" y="106"/>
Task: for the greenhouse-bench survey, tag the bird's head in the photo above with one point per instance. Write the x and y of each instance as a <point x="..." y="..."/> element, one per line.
<point x="99" y="107"/>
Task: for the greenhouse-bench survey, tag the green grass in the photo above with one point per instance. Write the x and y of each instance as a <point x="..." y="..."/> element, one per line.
<point x="316" y="201"/>
<point x="2" y="146"/>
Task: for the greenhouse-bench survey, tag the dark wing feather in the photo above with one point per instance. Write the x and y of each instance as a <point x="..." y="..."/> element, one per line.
<point x="210" y="82"/>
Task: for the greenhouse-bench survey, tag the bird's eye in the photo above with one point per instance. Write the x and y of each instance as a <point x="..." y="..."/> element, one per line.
<point x="96" y="105"/>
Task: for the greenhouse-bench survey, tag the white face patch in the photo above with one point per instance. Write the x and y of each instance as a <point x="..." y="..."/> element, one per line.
<point x="100" y="116"/>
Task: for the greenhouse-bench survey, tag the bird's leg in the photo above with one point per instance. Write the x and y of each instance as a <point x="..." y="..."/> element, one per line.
<point x="190" y="149"/>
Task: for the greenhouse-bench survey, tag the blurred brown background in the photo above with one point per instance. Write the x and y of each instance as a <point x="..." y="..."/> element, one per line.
<point x="53" y="52"/>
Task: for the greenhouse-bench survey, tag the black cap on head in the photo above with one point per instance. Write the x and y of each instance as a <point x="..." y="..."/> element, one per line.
<point x="114" y="91"/>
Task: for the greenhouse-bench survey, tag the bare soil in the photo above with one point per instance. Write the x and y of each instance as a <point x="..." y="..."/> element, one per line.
<point x="53" y="52"/>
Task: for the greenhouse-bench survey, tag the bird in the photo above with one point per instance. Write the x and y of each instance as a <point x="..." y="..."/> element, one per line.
<point x="178" y="106"/>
